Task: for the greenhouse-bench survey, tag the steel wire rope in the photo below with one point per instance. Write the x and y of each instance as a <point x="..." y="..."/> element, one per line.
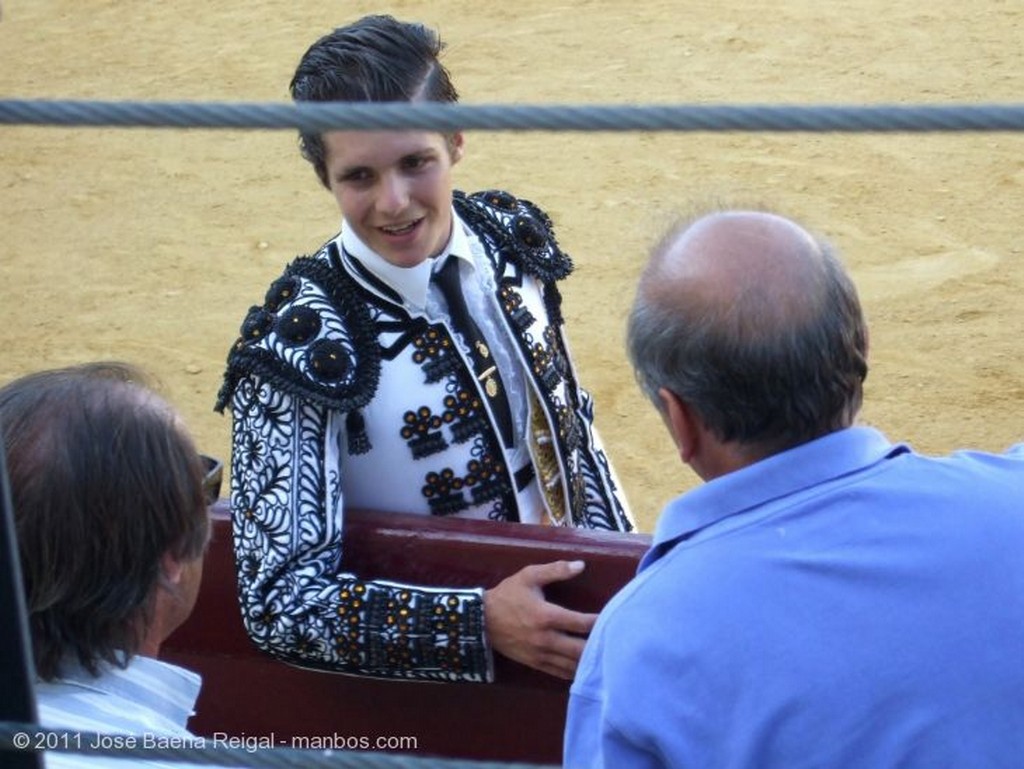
<point x="449" y="117"/>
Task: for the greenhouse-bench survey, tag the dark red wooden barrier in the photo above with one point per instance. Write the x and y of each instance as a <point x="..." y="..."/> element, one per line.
<point x="520" y="717"/>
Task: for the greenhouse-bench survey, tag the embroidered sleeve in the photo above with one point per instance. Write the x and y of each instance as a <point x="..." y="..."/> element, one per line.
<point x="298" y="603"/>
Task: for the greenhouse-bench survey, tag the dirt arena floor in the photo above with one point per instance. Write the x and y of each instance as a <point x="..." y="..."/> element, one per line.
<point x="150" y="245"/>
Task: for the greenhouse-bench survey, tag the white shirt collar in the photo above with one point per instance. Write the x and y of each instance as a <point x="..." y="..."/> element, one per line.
<point x="412" y="283"/>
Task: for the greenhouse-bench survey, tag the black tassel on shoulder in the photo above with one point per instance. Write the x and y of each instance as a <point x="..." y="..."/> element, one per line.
<point x="358" y="440"/>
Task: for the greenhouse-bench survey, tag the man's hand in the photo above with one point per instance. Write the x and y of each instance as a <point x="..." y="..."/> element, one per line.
<point x="525" y="627"/>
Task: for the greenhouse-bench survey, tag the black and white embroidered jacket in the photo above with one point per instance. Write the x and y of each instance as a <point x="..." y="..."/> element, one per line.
<point x="340" y="395"/>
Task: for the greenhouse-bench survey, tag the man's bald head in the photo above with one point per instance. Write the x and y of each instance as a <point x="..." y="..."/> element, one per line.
<point x="756" y="271"/>
<point x="751" y="319"/>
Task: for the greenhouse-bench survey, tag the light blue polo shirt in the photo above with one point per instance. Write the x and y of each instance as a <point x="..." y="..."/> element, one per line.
<point x="149" y="699"/>
<point x="845" y="604"/>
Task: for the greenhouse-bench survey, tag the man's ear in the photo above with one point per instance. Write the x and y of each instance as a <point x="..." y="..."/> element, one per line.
<point x="171" y="568"/>
<point x="681" y="422"/>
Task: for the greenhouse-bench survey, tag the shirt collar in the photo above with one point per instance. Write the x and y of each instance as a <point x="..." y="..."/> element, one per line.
<point x="167" y="689"/>
<point x="412" y="283"/>
<point x="778" y="476"/>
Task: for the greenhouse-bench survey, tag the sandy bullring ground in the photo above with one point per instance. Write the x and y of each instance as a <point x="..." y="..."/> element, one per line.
<point x="149" y="245"/>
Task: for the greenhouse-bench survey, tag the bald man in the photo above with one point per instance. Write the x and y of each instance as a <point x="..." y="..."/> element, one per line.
<point x="826" y="598"/>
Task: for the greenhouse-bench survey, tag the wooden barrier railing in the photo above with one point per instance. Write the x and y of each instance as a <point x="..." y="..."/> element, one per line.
<point x="520" y="717"/>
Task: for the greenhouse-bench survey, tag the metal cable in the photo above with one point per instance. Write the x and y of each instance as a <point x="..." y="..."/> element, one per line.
<point x="319" y="117"/>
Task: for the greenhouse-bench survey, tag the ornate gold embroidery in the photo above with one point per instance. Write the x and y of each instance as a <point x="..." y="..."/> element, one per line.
<point x="545" y="462"/>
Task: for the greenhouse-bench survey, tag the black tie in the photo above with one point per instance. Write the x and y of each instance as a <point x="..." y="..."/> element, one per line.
<point x="483" y="362"/>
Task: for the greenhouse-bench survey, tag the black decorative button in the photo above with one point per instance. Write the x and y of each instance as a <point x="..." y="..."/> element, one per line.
<point x="502" y="200"/>
<point x="530" y="232"/>
<point x="298" y="325"/>
<point x="329" y="360"/>
<point x="281" y="291"/>
<point x="256" y="324"/>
